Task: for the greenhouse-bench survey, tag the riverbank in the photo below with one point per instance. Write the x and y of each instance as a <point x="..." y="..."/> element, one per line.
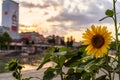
<point x="31" y="61"/>
<point x="26" y="74"/>
<point x="29" y="71"/>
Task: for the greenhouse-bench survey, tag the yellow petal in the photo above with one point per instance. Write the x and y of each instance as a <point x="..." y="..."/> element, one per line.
<point x="93" y="28"/>
<point x="104" y="30"/>
<point x="88" y="36"/>
<point x="89" y="48"/>
<point x="90" y="33"/>
<point x="85" y="42"/>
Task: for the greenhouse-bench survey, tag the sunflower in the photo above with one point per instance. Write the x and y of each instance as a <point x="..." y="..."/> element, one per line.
<point x="98" y="39"/>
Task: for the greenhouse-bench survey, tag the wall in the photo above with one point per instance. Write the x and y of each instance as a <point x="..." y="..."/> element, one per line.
<point x="10" y="17"/>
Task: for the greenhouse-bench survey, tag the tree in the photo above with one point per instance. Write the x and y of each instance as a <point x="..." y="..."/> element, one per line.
<point x="1" y="41"/>
<point x="26" y="41"/>
<point x="52" y="40"/>
<point x="62" y="42"/>
<point x="33" y="42"/>
<point x="6" y="39"/>
<point x="70" y="41"/>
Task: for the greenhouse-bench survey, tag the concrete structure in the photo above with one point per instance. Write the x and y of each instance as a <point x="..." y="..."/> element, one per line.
<point x="31" y="36"/>
<point x="57" y="39"/>
<point x="10" y="18"/>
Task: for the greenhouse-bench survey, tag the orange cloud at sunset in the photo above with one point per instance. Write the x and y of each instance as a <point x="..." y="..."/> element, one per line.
<point x="63" y="17"/>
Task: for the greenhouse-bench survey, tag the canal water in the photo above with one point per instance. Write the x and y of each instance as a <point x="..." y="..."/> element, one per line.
<point x="28" y="61"/>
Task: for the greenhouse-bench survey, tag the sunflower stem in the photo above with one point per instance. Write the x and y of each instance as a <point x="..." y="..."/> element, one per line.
<point x="110" y="77"/>
<point x="115" y="24"/>
<point x="116" y="31"/>
<point x="93" y="77"/>
<point x="61" y="73"/>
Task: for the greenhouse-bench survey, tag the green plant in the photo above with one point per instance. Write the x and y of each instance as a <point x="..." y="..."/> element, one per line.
<point x="14" y="66"/>
<point x="87" y="62"/>
<point x="77" y="64"/>
<point x="90" y="59"/>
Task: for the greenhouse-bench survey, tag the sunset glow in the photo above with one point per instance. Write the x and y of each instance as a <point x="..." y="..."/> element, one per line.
<point x="62" y="17"/>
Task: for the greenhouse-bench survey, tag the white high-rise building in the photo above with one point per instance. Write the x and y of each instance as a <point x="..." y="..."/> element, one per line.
<point x="10" y="18"/>
<point x="0" y="11"/>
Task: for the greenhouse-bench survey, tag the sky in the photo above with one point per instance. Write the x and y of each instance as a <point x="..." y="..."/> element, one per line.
<point x="65" y="17"/>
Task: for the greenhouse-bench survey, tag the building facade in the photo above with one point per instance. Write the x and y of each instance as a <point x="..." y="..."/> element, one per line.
<point x="32" y="36"/>
<point x="10" y="18"/>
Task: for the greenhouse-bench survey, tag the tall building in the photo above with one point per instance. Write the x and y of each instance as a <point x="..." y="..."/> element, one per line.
<point x="10" y="18"/>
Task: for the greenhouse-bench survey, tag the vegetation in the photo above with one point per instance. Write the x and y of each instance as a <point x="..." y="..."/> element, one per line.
<point x="70" y="41"/>
<point x="5" y="40"/>
<point x="51" y="41"/>
<point x="16" y="68"/>
<point x="86" y="62"/>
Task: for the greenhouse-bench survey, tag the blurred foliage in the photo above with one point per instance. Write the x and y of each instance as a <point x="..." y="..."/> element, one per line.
<point x="78" y="65"/>
<point x="14" y="66"/>
<point x="73" y="64"/>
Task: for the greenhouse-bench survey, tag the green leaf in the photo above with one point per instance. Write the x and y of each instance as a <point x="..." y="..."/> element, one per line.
<point x="113" y="45"/>
<point x="47" y="56"/>
<point x="65" y="49"/>
<point x="88" y="66"/>
<point x="58" y="71"/>
<point x="72" y="64"/>
<point x="31" y="78"/>
<point x="50" y="69"/>
<point x="109" y="13"/>
<point x="16" y="75"/>
<point x="82" y="49"/>
<point x="12" y="65"/>
<point x="74" y="60"/>
<point x="73" y="76"/>
<point x="52" y="48"/>
<point x="49" y="74"/>
<point x="26" y="79"/>
<point x="62" y="60"/>
<point x="60" y="53"/>
<point x="20" y="67"/>
<point x="80" y="68"/>
<point x="46" y="59"/>
<point x="41" y="65"/>
<point x="55" y="59"/>
<point x="70" y="55"/>
<point x="117" y="69"/>
<point x="103" y="18"/>
<point x="86" y="58"/>
<point x="70" y="71"/>
<point x="87" y="76"/>
<point x="94" y="65"/>
<point x="101" y="77"/>
<point x="107" y="67"/>
<point x="100" y="61"/>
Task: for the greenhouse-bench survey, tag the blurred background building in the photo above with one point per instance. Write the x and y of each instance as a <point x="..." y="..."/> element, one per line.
<point x="10" y="17"/>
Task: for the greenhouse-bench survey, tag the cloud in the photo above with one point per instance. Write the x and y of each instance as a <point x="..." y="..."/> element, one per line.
<point x="31" y="5"/>
<point x="73" y="16"/>
<point x="51" y="3"/>
<point x="76" y="18"/>
<point x="82" y="17"/>
<point x="94" y="12"/>
<point x="46" y="4"/>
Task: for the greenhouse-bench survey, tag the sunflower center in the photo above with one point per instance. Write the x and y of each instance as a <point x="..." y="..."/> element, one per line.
<point x="98" y="41"/>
